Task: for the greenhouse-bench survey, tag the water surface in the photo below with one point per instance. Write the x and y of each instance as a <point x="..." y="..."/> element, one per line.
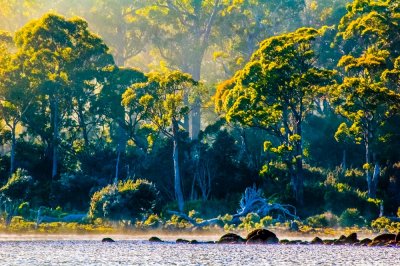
<point x="139" y="252"/>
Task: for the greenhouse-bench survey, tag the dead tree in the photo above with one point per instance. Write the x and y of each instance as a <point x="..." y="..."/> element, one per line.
<point x="252" y="201"/>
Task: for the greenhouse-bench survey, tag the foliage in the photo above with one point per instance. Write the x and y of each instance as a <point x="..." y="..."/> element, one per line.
<point x="385" y="224"/>
<point x="322" y="220"/>
<point x="129" y="200"/>
<point x="351" y="217"/>
<point x="17" y="186"/>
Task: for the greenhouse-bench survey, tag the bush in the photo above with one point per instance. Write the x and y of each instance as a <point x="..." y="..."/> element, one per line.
<point x="127" y="201"/>
<point x="326" y="219"/>
<point x="351" y="217"/>
<point x="17" y="186"/>
<point x="385" y="224"/>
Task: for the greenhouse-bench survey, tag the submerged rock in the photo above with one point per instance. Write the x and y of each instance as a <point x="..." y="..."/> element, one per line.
<point x="155" y="239"/>
<point x="284" y="241"/>
<point x="263" y="236"/>
<point x="231" y="238"/>
<point x="182" y="241"/>
<point x="328" y="241"/>
<point x="107" y="239"/>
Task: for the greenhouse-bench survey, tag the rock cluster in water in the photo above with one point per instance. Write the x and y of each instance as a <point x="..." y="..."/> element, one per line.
<point x="264" y="236"/>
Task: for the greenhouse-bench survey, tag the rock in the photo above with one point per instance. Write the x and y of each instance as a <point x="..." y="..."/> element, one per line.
<point x="194" y="242"/>
<point x="376" y="244"/>
<point x="261" y="236"/>
<point x="351" y="239"/>
<point x="342" y="238"/>
<point x="398" y="237"/>
<point x="107" y="239"/>
<point x="384" y="238"/>
<point x="231" y="238"/>
<point x="365" y="242"/>
<point x="155" y="239"/>
<point x="284" y="241"/>
<point x="391" y="244"/>
<point x="328" y="241"/>
<point x="182" y="241"/>
<point x="294" y="242"/>
<point x="317" y="241"/>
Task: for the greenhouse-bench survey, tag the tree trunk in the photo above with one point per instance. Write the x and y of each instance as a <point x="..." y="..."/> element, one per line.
<point x="299" y="166"/>
<point x="117" y="166"/>
<point x="367" y="172"/>
<point x="55" y="139"/>
<point x="344" y="161"/>
<point x="13" y="145"/>
<point x="195" y="113"/>
<point x="177" y="179"/>
<point x="374" y="182"/>
<point x="83" y="126"/>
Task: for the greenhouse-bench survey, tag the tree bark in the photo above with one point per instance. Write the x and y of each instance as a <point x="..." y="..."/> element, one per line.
<point x="177" y="177"/>
<point x="13" y="145"/>
<point x="55" y="138"/>
<point x="367" y="172"/>
<point x="299" y="166"/>
<point x="195" y="113"/>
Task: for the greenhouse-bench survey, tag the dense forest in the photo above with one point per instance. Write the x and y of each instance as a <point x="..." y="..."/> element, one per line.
<point x="121" y="108"/>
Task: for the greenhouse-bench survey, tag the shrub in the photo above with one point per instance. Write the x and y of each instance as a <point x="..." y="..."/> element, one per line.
<point x="17" y="185"/>
<point x="351" y="217"/>
<point x="326" y="219"/>
<point x="317" y="221"/>
<point x="266" y="221"/>
<point x="127" y="201"/>
<point x="385" y="224"/>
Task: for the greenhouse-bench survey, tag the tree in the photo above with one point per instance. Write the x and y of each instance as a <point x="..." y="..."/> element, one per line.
<point x="369" y="35"/>
<point x="164" y="104"/>
<point x="184" y="48"/>
<point x="275" y="92"/>
<point x="126" y="120"/>
<point x="60" y="56"/>
<point x="244" y="24"/>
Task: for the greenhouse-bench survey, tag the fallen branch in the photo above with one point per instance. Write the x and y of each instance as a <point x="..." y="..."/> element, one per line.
<point x="252" y="201"/>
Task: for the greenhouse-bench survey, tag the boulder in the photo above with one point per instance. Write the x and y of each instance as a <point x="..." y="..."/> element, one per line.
<point x="194" y="241"/>
<point x="155" y="239"/>
<point x="231" y="238"/>
<point x="107" y="239"/>
<point x="263" y="236"/>
<point x="365" y="242"/>
<point x="398" y="237"/>
<point x="351" y="239"/>
<point x="182" y="241"/>
<point x="317" y="241"/>
<point x="384" y="238"/>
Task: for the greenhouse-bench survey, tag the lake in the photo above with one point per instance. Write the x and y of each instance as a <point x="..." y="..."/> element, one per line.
<point x="38" y="251"/>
